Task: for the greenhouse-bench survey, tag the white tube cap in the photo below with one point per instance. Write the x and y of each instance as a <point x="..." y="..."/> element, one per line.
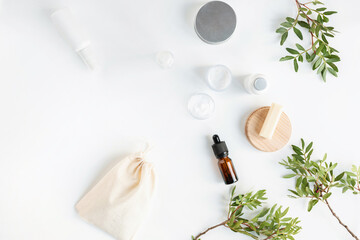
<point x="88" y="57"/>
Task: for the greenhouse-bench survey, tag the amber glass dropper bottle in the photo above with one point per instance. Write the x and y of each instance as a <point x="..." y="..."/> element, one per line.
<point x="225" y="164"/>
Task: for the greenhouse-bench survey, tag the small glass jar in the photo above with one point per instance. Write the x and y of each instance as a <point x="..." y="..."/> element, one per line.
<point x="219" y="77"/>
<point x="165" y="59"/>
<point x="201" y="106"/>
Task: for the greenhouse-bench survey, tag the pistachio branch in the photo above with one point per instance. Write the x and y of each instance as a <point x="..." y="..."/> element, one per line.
<point x="344" y="225"/>
<point x="270" y="223"/>
<point x="313" y="20"/>
<point x="210" y="228"/>
<point x="315" y="179"/>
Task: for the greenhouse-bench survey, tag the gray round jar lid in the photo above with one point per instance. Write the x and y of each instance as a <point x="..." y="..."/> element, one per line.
<point x="215" y="22"/>
<point x="260" y="84"/>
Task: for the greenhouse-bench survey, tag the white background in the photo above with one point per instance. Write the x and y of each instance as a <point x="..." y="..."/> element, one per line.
<point x="62" y="126"/>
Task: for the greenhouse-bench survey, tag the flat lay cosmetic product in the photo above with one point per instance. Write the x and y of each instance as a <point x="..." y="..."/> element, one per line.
<point x="219" y="77"/>
<point x="268" y="129"/>
<point x="215" y="22"/>
<point x="71" y="31"/>
<point x="256" y="84"/>
<point x="120" y="201"/>
<point x="271" y="121"/>
<point x="201" y="106"/>
<point x="225" y="163"/>
<point x="165" y="59"/>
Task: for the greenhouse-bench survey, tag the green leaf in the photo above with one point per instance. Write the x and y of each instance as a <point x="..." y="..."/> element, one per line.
<point x="298" y="33"/>
<point x="232" y="219"/>
<point x="351" y="174"/>
<point x="301" y="48"/>
<point x="286" y="219"/>
<point x="281" y="30"/>
<point x="321" y="68"/>
<point x="289" y="176"/>
<point x="286" y="58"/>
<point x="296" y="65"/>
<point x="340" y="176"/>
<point x="323" y="74"/>
<point x="320" y="48"/>
<point x="333" y="58"/>
<point x="312" y="57"/>
<point x="304" y="24"/>
<point x="302" y="143"/>
<point x="283" y="214"/>
<point x="311" y="204"/>
<point x="308" y="147"/>
<point x="329" y="12"/>
<point x="290" y="20"/>
<point x="294" y="192"/>
<point x="345" y="189"/>
<point x="321" y="9"/>
<point x="300" y="58"/>
<point x="327" y="195"/>
<point x="324" y="39"/>
<point x="298" y="182"/>
<point x="263" y="212"/>
<point x="283" y="38"/>
<point x="317" y="63"/>
<point x="333" y="72"/>
<point x="233" y="191"/>
<point x="297" y="149"/>
<point x="317" y="30"/>
<point x="292" y="51"/>
<point x="333" y="66"/>
<point x="319" y="19"/>
<point x="328" y="34"/>
<point x="286" y="24"/>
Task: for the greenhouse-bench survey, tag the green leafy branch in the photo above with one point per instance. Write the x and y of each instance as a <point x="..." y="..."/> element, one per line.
<point x="351" y="180"/>
<point x="320" y="54"/>
<point x="269" y="223"/>
<point x="316" y="179"/>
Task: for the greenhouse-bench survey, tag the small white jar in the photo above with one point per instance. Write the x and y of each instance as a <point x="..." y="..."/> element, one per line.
<point x="256" y="84"/>
<point x="219" y="77"/>
<point x="201" y="106"/>
<point x="165" y="59"/>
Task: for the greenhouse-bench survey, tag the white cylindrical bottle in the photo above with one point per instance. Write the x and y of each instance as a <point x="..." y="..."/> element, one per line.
<point x="74" y="35"/>
<point x="256" y="84"/>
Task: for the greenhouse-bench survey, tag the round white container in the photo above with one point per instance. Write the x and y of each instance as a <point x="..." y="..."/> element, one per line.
<point x="165" y="59"/>
<point x="201" y="106"/>
<point x="219" y="77"/>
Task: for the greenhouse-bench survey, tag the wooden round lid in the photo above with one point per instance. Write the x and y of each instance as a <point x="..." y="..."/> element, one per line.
<point x="280" y="138"/>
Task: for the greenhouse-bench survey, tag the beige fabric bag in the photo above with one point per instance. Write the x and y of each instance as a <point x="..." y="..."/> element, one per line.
<point x="119" y="202"/>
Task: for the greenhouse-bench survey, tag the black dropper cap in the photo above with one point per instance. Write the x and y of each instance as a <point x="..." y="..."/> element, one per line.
<point x="219" y="147"/>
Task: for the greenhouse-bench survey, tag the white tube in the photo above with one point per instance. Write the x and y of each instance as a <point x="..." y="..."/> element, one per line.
<point x="73" y="34"/>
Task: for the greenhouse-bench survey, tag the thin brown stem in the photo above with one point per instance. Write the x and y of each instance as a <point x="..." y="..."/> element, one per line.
<point x="272" y="235"/>
<point x="210" y="228"/>
<point x="269" y="237"/>
<point x="344" y="225"/>
<point x="234" y="211"/>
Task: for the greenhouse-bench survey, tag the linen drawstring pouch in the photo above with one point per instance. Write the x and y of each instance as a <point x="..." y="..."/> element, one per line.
<point x="119" y="202"/>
